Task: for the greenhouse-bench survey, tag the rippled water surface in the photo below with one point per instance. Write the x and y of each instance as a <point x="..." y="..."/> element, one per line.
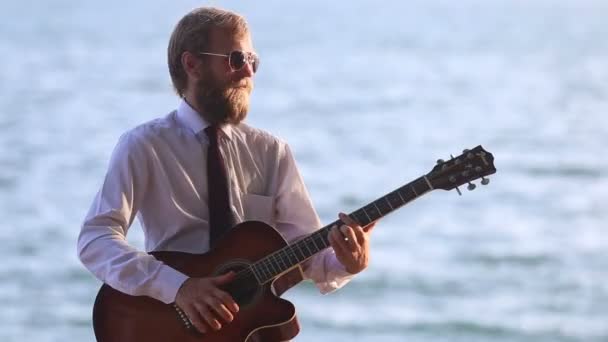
<point x="369" y="95"/>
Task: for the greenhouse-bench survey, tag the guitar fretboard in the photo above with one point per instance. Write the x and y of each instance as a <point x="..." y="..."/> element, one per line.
<point x="282" y="260"/>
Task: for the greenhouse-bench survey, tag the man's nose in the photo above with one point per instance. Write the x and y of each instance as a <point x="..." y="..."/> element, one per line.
<point x="247" y="70"/>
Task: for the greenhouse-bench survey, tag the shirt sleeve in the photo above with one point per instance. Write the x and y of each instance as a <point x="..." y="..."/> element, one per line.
<point x="102" y="245"/>
<point x="296" y="218"/>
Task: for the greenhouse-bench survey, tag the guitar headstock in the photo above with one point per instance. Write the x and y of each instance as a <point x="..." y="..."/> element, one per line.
<point x="469" y="166"/>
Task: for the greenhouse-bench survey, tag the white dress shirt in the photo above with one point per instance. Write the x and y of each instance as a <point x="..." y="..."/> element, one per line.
<point x="157" y="172"/>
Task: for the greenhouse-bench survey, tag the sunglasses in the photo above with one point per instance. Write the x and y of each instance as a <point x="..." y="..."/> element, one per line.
<point x="237" y="59"/>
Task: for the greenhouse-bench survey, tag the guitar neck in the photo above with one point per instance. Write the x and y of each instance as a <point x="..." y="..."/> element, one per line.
<point x="282" y="260"/>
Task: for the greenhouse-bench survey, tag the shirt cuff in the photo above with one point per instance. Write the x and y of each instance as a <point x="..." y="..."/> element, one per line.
<point x="169" y="281"/>
<point x="337" y="275"/>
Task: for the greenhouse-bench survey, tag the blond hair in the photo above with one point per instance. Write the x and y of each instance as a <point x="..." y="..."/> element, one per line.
<point x="193" y="33"/>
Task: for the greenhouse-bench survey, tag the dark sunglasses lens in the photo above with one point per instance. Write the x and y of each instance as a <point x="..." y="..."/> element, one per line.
<point x="255" y="62"/>
<point x="237" y="60"/>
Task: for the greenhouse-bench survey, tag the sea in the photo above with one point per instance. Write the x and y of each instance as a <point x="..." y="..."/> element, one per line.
<point x="369" y="95"/>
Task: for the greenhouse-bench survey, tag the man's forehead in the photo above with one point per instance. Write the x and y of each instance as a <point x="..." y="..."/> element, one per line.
<point x="226" y="40"/>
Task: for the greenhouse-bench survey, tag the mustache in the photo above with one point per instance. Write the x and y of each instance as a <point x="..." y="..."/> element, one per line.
<point x="246" y="84"/>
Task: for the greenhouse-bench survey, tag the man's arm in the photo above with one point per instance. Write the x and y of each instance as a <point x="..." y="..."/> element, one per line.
<point x="102" y="245"/>
<point x="296" y="217"/>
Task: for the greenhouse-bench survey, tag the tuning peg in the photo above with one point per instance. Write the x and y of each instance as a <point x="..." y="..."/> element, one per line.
<point x="470" y="155"/>
<point x="456" y="161"/>
<point x="458" y="190"/>
<point x="485" y="181"/>
<point x="471" y="186"/>
<point x="440" y="161"/>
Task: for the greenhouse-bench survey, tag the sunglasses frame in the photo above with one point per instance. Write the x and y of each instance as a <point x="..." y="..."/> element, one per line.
<point x="250" y="58"/>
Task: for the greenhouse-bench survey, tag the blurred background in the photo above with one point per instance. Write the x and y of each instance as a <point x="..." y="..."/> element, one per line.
<point x="369" y="94"/>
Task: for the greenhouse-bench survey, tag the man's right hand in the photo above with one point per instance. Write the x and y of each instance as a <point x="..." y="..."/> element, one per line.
<point x="204" y="302"/>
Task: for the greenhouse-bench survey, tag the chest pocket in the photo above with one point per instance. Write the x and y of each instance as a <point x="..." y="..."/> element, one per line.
<point x="258" y="208"/>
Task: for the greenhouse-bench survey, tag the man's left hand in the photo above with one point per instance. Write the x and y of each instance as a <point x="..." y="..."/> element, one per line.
<point x="351" y="244"/>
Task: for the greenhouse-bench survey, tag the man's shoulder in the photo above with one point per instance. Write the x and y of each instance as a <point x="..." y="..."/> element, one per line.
<point x="256" y="136"/>
<point x="151" y="130"/>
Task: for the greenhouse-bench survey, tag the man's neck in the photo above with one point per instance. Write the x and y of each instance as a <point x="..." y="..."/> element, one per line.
<point x="191" y="101"/>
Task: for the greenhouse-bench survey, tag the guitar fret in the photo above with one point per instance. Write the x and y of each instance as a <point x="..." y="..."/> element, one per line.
<point x="280" y="262"/>
<point x="360" y="220"/>
<point x="277" y="260"/>
<point x="296" y="258"/>
<point x="355" y="217"/>
<point x="279" y="257"/>
<point x="292" y="258"/>
<point x="380" y="212"/>
<point x="384" y="206"/>
<point x="271" y="263"/>
<point x="287" y="255"/>
<point x="313" y="242"/>
<point x="323" y="241"/>
<point x="300" y="257"/>
<point x="260" y="275"/>
<point x="389" y="203"/>
<point x="408" y="193"/>
<point x="307" y="248"/>
<point x="395" y="199"/>
<point x="371" y="212"/>
<point x="269" y="273"/>
<point x="414" y="190"/>
<point x="256" y="273"/>
<point x="427" y="185"/>
<point x="298" y="248"/>
<point x="369" y="220"/>
<point x="399" y="193"/>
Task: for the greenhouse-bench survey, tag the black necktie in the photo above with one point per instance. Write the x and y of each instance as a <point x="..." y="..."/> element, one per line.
<point x="220" y="215"/>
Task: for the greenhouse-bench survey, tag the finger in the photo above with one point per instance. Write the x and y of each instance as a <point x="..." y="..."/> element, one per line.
<point x="208" y="316"/>
<point x="223" y="279"/>
<point x="195" y="318"/>
<point x="341" y="240"/>
<point x="220" y="309"/>
<point x="227" y="300"/>
<point x="337" y="242"/>
<point x="347" y="220"/>
<point x="350" y="237"/>
<point x="361" y="237"/>
<point x="369" y="227"/>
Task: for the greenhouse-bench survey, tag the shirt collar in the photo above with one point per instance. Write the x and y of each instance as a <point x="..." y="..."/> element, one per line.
<point x="195" y="122"/>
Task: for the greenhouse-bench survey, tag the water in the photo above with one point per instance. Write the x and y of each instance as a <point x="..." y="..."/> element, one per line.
<point x="369" y="95"/>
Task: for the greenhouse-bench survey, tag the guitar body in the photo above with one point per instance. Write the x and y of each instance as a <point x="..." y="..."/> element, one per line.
<point x="262" y="316"/>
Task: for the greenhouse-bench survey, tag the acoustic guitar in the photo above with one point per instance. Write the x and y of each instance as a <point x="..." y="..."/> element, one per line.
<point x="265" y="266"/>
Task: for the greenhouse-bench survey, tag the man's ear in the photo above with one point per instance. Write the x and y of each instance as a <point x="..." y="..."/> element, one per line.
<point x="191" y="65"/>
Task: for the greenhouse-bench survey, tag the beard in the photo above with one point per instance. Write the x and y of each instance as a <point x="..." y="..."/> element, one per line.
<point x="223" y="103"/>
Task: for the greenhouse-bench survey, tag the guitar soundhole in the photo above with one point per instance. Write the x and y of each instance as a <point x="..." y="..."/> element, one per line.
<point x="245" y="288"/>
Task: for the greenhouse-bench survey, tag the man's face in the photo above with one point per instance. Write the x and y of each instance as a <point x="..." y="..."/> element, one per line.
<point x="223" y="93"/>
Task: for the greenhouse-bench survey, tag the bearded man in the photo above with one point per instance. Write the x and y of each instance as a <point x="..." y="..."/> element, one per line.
<point x="199" y="170"/>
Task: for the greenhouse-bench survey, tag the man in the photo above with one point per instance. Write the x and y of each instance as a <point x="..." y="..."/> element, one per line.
<point x="161" y="171"/>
